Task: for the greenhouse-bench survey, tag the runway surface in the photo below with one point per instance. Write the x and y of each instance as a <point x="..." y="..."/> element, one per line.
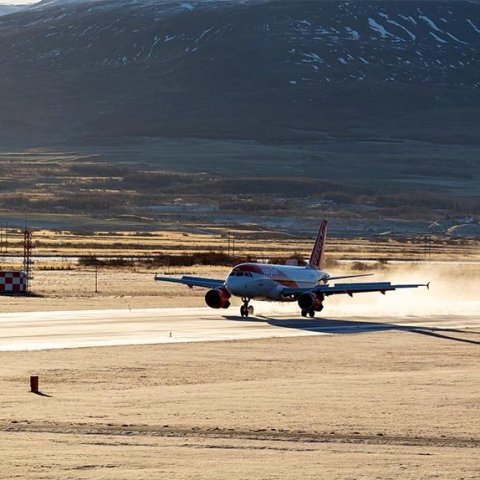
<point x="93" y="328"/>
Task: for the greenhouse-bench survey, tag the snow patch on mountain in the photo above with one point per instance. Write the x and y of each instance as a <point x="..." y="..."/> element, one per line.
<point x="430" y="22"/>
<point x="59" y="3"/>
<point x="375" y="26"/>
<point x="393" y="22"/>
<point x="455" y="38"/>
<point x="436" y="37"/>
<point x="353" y="33"/>
<point x="188" y="6"/>
<point x="473" y="25"/>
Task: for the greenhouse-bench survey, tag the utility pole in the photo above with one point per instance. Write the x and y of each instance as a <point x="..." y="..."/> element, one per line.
<point x="428" y="247"/>
<point x="4" y="238"/>
<point x="230" y="244"/>
<point x="96" y="278"/>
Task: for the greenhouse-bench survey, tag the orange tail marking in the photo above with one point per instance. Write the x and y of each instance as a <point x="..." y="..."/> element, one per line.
<point x="316" y="257"/>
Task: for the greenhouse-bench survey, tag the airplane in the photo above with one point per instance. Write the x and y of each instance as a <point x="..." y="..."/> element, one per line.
<point x="308" y="285"/>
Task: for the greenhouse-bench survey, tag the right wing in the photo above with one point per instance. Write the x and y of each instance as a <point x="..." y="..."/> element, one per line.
<point x="192" y="281"/>
<point x="351" y="288"/>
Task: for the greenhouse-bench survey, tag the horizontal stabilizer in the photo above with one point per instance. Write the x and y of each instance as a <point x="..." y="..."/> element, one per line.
<point x="350" y="276"/>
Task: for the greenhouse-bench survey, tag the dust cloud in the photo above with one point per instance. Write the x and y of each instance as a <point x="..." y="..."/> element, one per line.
<point x="454" y="290"/>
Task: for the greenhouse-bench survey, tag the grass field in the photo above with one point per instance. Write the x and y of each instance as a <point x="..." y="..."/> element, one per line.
<point x="239" y="242"/>
<point x="379" y="405"/>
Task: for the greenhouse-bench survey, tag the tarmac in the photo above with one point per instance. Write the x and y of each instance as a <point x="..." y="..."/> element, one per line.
<point x="95" y="328"/>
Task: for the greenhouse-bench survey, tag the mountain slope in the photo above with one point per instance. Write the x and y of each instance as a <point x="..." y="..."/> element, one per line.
<point x="266" y="70"/>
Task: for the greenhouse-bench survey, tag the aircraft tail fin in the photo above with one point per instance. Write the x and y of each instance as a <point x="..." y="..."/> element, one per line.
<point x="316" y="257"/>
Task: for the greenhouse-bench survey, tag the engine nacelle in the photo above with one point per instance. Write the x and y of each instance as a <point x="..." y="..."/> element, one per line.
<point x="217" y="298"/>
<point x="310" y="301"/>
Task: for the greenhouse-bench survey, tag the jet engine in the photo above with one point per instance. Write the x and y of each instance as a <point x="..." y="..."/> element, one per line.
<point x="217" y="298"/>
<point x="310" y="301"/>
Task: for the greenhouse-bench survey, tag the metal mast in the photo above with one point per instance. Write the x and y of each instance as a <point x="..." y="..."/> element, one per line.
<point x="27" y="257"/>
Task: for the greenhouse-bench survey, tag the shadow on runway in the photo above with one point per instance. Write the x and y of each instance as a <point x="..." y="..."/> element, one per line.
<point x="439" y="333"/>
<point x="41" y="394"/>
<point x="334" y="326"/>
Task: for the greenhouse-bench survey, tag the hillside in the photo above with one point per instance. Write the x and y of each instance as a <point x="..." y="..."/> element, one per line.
<point x="259" y="69"/>
<point x="253" y="111"/>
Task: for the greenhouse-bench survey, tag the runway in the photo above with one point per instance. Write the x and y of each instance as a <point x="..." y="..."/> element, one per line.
<point x="95" y="328"/>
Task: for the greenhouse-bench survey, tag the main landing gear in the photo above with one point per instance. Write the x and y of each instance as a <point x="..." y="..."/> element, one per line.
<point x="246" y="310"/>
<point x="311" y="313"/>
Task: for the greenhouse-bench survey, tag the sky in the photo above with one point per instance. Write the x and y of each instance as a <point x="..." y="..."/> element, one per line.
<point x="16" y="2"/>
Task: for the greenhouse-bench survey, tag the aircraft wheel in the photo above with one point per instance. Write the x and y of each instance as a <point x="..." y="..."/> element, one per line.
<point x="311" y="313"/>
<point x="304" y="313"/>
<point x="250" y="310"/>
<point x="244" y="311"/>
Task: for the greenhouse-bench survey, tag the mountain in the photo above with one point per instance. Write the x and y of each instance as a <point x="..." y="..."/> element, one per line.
<point x="300" y="70"/>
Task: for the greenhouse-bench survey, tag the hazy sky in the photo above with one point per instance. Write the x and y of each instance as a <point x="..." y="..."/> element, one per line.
<point x="17" y="2"/>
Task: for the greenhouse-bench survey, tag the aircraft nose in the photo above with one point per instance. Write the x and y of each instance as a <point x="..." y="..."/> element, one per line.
<point x="229" y="283"/>
<point x="233" y="285"/>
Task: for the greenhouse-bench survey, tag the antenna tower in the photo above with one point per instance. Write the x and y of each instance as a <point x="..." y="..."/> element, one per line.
<point x="27" y="257"/>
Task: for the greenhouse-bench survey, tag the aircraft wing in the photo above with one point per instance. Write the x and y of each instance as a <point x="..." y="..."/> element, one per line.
<point x="192" y="281"/>
<point x="351" y="288"/>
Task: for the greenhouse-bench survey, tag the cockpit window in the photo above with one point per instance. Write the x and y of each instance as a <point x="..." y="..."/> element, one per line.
<point x="241" y="274"/>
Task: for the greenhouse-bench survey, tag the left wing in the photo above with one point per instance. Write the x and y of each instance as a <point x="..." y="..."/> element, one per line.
<point x="192" y="281"/>
<point x="351" y="288"/>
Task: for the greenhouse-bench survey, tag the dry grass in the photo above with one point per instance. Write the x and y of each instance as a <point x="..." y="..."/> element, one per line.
<point x="248" y="243"/>
<point x="75" y="289"/>
<point x="379" y="405"/>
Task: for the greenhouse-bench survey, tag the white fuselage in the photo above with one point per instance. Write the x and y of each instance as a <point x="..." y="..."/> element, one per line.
<point x="266" y="282"/>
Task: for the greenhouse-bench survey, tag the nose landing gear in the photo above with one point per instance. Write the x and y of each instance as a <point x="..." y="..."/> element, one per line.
<point x="246" y="310"/>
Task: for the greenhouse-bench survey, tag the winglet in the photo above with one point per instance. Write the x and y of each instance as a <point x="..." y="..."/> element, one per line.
<point x="428" y="286"/>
